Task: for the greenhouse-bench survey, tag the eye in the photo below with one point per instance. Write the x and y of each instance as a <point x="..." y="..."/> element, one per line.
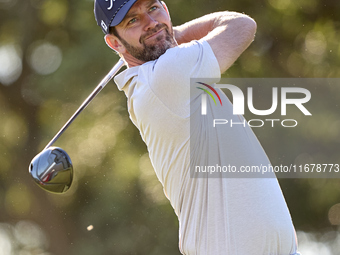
<point x="153" y="8"/>
<point x="131" y="21"/>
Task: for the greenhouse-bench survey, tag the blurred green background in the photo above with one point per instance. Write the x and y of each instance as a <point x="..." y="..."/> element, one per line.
<point x="52" y="54"/>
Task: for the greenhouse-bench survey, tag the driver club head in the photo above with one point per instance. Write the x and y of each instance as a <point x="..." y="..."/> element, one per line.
<point x="52" y="170"/>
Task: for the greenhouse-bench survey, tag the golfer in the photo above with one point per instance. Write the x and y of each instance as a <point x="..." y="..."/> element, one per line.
<point x="244" y="216"/>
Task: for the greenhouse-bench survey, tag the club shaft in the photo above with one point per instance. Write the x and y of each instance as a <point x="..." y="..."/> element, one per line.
<point x="95" y="92"/>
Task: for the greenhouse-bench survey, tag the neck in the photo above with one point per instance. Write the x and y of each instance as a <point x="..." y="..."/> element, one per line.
<point x="132" y="61"/>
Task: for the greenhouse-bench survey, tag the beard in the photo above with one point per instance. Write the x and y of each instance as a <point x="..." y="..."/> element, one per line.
<point x="153" y="50"/>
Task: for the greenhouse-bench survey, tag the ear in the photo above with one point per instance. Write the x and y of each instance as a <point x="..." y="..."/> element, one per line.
<point x="114" y="43"/>
<point x="166" y="9"/>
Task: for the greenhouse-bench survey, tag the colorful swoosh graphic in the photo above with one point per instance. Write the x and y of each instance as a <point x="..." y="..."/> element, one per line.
<point x="212" y="89"/>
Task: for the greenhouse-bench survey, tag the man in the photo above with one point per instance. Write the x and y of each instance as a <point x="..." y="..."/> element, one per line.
<point x="217" y="215"/>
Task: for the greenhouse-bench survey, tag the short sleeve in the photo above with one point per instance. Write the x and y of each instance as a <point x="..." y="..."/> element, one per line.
<point x="170" y="74"/>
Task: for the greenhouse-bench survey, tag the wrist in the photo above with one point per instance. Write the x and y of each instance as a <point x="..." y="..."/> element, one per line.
<point x="194" y="29"/>
<point x="178" y="35"/>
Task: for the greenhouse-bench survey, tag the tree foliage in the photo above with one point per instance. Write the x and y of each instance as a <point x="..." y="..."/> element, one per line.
<point x="52" y="54"/>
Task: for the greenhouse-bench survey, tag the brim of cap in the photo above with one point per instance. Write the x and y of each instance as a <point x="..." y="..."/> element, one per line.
<point x="122" y="12"/>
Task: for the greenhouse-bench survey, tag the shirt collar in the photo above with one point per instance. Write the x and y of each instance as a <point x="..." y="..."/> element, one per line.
<point x="122" y="78"/>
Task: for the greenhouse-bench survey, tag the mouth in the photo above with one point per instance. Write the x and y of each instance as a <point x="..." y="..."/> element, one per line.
<point x="153" y="35"/>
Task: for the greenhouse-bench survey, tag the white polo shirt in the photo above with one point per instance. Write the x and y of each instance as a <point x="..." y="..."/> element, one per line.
<point x="216" y="215"/>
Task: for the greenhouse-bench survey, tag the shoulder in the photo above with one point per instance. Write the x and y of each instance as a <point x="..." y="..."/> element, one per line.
<point x="177" y="65"/>
<point x="187" y="60"/>
<point x="188" y="52"/>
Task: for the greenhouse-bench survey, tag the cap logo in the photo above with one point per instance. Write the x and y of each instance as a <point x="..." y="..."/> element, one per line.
<point x="103" y="25"/>
<point x="111" y="4"/>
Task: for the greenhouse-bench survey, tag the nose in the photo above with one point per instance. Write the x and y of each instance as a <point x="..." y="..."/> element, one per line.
<point x="150" y="22"/>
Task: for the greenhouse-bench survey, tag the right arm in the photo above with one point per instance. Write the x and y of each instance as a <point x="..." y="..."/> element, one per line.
<point x="228" y="33"/>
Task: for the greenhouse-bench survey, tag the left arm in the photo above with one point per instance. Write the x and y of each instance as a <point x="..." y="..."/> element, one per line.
<point x="228" y="33"/>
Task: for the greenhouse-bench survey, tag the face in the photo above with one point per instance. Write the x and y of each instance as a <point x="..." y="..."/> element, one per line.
<point x="146" y="31"/>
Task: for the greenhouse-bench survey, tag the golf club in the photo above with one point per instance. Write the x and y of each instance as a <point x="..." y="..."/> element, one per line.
<point x="52" y="168"/>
